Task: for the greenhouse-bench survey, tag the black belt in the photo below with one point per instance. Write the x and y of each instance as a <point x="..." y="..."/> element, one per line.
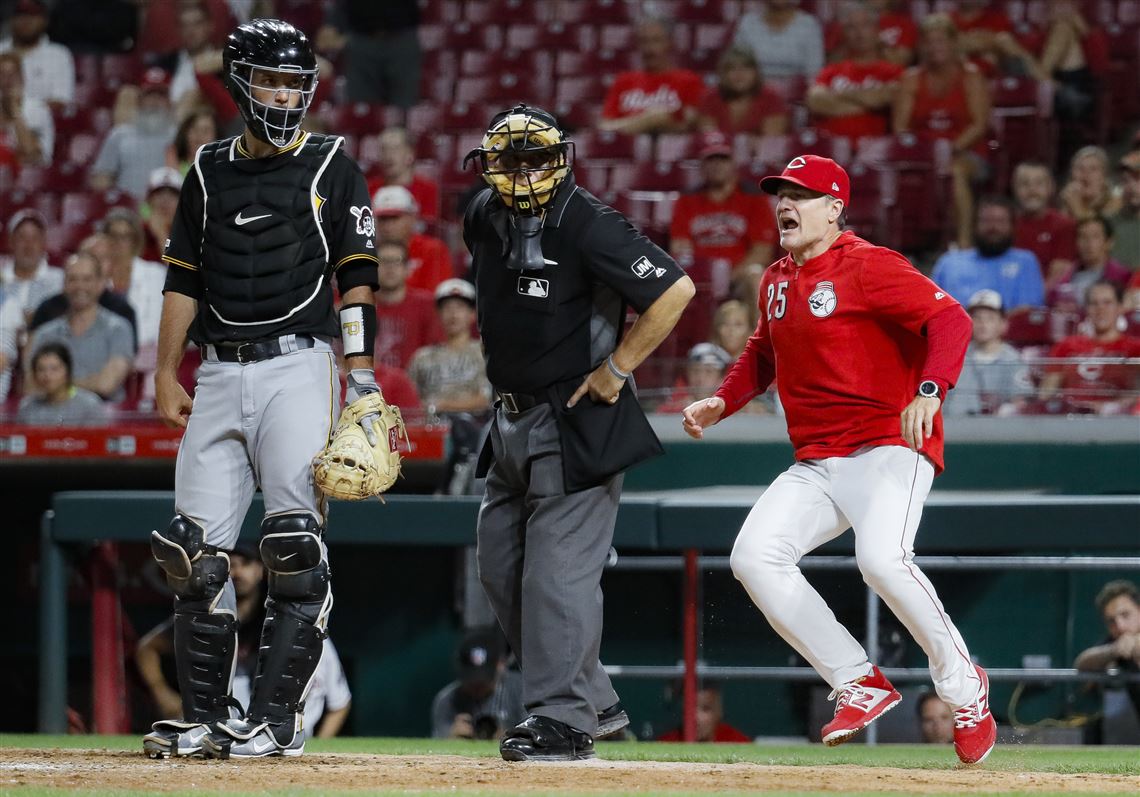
<point x="514" y="403"/>
<point x="254" y="351"/>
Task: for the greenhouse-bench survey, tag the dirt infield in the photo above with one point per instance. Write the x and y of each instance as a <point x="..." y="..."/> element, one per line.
<point x="324" y="773"/>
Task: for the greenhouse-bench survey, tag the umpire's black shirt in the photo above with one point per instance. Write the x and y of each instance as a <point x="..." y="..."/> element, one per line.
<point x="551" y="325"/>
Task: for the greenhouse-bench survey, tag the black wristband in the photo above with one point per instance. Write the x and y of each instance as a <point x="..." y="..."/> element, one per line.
<point x="358" y="329"/>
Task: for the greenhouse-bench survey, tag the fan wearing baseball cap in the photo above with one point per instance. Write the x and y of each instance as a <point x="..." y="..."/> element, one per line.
<point x="721" y="228"/>
<point x="863" y="348"/>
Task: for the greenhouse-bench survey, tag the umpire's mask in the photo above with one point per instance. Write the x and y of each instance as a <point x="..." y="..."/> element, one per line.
<point x="525" y="157"/>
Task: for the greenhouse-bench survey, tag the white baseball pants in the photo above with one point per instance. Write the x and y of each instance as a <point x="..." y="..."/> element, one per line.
<point x="880" y="493"/>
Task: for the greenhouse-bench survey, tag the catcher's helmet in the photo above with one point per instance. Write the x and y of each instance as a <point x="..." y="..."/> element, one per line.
<point x="524" y="156"/>
<point x="269" y="45"/>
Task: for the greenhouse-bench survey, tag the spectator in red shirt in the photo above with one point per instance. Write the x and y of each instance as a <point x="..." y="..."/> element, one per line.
<point x="720" y="225"/>
<point x="658" y="98"/>
<point x="988" y="39"/>
<point x="405" y="317"/>
<point x="897" y="32"/>
<point x="1041" y="228"/>
<point x="741" y="101"/>
<point x="398" y="390"/>
<point x="711" y="726"/>
<point x="396" y="211"/>
<point x="853" y="97"/>
<point x="946" y="98"/>
<point x="397" y="167"/>
<point x="1092" y="386"/>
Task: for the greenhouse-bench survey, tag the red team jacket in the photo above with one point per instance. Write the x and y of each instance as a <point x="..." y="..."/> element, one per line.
<point x="845" y="335"/>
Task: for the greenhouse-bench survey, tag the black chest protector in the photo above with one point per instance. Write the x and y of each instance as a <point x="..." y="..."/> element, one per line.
<point x="265" y="261"/>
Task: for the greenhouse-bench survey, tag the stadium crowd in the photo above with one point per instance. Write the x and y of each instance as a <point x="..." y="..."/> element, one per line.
<point x="993" y="142"/>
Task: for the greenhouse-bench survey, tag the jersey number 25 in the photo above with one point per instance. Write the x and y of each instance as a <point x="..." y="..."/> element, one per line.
<point x="777" y="292"/>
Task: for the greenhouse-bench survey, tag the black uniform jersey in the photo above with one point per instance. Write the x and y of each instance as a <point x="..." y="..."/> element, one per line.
<point x="256" y="240"/>
<point x="547" y="326"/>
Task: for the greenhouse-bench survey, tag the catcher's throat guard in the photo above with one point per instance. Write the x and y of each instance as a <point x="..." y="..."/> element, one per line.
<point x="351" y="468"/>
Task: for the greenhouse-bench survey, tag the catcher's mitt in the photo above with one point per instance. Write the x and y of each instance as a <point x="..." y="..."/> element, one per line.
<point x="350" y="467"/>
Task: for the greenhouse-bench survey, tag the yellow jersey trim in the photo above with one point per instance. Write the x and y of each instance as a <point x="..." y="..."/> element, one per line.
<point x="176" y="262"/>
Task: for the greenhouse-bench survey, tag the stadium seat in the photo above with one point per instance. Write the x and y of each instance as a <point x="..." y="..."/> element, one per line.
<point x="595" y="12"/>
<point x="913" y="177"/>
<point x="120" y="69"/>
<point x="84" y="207"/>
<point x="575" y="116"/>
<point x="711" y="36"/>
<point x="503" y="88"/>
<point x="535" y="63"/>
<point x="706" y="11"/>
<point x="607" y="145"/>
<point x="582" y="88"/>
<point x="550" y="38"/>
<point x="361" y="118"/>
<point x="672" y="147"/>
<point x="781" y="149"/>
<point x="491" y="12"/>
<point x="83" y="147"/>
<point x="617" y="37"/>
<point x="460" y="36"/>
<point x="1022" y="123"/>
<point x="576" y="63"/>
<point x="1028" y="327"/>
<point x="662" y="176"/>
<point x="434" y="12"/>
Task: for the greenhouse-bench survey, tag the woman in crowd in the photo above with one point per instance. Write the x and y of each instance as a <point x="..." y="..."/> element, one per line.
<point x="1089" y="192"/>
<point x="57" y="401"/>
<point x="945" y="97"/>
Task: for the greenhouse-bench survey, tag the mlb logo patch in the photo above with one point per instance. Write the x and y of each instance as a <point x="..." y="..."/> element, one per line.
<point x="644" y="268"/>
<point x="533" y="286"/>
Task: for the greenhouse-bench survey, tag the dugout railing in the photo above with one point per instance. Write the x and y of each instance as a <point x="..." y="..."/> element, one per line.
<point x="677" y="527"/>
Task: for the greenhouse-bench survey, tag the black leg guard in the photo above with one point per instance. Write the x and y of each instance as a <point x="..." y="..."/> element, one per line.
<point x="296" y="617"/>
<point x="205" y="634"/>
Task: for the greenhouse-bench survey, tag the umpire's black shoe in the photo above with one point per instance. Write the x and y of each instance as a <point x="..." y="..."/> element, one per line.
<point x="544" y="739"/>
<point x="612" y="723"/>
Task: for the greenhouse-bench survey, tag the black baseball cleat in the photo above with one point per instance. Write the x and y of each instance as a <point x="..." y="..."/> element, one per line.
<point x="544" y="739"/>
<point x="612" y="723"/>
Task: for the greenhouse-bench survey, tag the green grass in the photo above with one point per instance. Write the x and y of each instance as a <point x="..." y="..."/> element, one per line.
<point x="1008" y="758"/>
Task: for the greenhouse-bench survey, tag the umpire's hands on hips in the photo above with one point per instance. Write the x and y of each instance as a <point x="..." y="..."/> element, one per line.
<point x="171" y="400"/>
<point x="700" y="414"/>
<point x="602" y="386"/>
<point x="918" y="420"/>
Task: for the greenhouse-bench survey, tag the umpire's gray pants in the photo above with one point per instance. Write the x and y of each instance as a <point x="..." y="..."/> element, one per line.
<point x="541" y="552"/>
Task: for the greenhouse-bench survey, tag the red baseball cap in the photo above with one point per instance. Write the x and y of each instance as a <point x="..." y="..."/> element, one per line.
<point x="813" y="173"/>
<point x="713" y="143"/>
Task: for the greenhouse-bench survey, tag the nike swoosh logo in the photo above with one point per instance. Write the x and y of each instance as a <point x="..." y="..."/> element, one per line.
<point x="240" y="221"/>
<point x="287" y="556"/>
<point x="549" y="262"/>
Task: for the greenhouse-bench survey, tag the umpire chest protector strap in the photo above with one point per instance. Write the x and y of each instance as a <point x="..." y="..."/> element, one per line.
<point x="267" y="256"/>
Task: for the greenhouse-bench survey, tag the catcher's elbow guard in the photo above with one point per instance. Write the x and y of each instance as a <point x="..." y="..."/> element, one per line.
<point x="358" y="329"/>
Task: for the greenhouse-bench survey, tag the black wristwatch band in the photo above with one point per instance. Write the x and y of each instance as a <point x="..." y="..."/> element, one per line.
<point x="929" y="389"/>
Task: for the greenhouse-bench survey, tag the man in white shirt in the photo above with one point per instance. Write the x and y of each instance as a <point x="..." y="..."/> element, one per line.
<point x="25" y="274"/>
<point x="49" y="69"/>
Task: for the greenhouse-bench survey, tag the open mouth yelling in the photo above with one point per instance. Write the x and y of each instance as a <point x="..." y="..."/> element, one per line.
<point x="787" y="224"/>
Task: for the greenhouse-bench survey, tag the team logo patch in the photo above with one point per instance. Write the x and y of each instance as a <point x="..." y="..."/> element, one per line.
<point x="643" y="268"/>
<point x="365" y="225"/>
<point x="533" y="286"/>
<point x="822" y="300"/>
<point x="797" y="162"/>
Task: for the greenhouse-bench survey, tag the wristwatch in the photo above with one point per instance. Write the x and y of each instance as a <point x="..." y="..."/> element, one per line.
<point x="929" y="389"/>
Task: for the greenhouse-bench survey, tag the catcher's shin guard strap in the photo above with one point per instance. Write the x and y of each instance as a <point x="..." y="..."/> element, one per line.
<point x="358" y="329"/>
<point x="194" y="570"/>
<point x="205" y="650"/>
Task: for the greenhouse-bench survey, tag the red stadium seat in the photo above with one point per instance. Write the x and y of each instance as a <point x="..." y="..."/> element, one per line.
<point x="705" y="11"/>
<point x="433" y="12"/>
<point x="1029" y="327"/>
<point x="361" y="119"/>
<point x="781" y="149"/>
<point x="83" y="147"/>
<point x="617" y="37"/>
<point x="672" y="147"/>
<point x="1021" y="119"/>
<point x="575" y="63"/>
<point x="424" y="118"/>
<point x="583" y="88"/>
<point x="607" y="145"/>
<point x="662" y="176"/>
<point x="479" y="63"/>
<point x="914" y="179"/>
<point x="491" y="12"/>
<point x="575" y="116"/>
<point x="84" y="207"/>
<point x="503" y="88"/>
<point x="593" y="12"/>
<point x="120" y="69"/>
<point x="713" y="36"/>
<point x="460" y="36"/>
<point x="550" y="38"/>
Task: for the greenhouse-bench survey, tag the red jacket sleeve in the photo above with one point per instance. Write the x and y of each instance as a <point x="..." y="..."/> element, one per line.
<point x="947" y="336"/>
<point x="752" y="372"/>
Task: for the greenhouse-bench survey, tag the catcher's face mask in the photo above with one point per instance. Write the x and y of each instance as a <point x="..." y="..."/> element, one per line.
<point x="524" y="157"/>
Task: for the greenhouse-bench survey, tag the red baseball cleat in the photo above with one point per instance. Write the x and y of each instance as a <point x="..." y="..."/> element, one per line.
<point x="860" y="703"/>
<point x="975" y="731"/>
